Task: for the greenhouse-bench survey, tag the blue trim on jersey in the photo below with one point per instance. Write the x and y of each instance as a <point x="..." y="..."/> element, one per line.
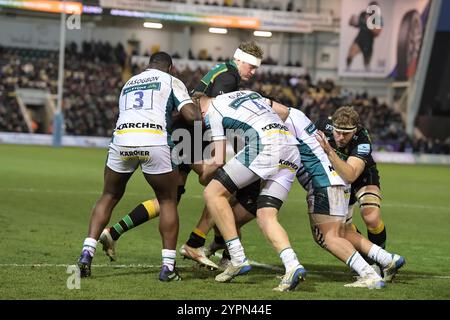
<point x="313" y="166"/>
<point x="251" y="138"/>
<point x="206" y="121"/>
<point x="171" y="103"/>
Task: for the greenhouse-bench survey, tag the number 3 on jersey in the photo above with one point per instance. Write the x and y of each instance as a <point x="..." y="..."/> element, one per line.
<point x="139" y="100"/>
<point x="139" y="103"/>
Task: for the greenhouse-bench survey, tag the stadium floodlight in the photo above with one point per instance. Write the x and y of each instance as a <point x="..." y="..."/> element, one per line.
<point x="218" y="30"/>
<point x="153" y="25"/>
<point x="258" y="33"/>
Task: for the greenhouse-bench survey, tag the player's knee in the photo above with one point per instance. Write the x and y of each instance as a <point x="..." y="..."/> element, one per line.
<point x="212" y="192"/>
<point x="372" y="218"/>
<point x="208" y="193"/>
<point x="369" y="199"/>
<point x="265" y="219"/>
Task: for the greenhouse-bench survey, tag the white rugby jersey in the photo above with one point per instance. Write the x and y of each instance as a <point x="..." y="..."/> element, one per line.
<point x="248" y="112"/>
<point x="146" y="104"/>
<point x="316" y="167"/>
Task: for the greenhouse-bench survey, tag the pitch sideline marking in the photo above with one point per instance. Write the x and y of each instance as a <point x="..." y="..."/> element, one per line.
<point x="385" y="204"/>
<point x="150" y="266"/>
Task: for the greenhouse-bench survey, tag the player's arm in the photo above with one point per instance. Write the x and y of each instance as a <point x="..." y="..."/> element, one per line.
<point x="185" y="106"/>
<point x="211" y="165"/>
<point x="213" y="120"/>
<point x="280" y="109"/>
<point x="349" y="170"/>
<point x="190" y="112"/>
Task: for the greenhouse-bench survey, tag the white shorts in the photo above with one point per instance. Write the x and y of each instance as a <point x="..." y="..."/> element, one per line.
<point x="330" y="201"/>
<point x="278" y="163"/>
<point x="152" y="159"/>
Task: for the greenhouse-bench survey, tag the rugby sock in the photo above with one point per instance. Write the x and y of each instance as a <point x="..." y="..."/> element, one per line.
<point x="142" y="213"/>
<point x="378" y="235"/>
<point x="168" y="258"/>
<point x="236" y="251"/>
<point x="289" y="259"/>
<point x="357" y="263"/>
<point x="196" y="239"/>
<point x="380" y="255"/>
<point x="369" y="261"/>
<point x="90" y="244"/>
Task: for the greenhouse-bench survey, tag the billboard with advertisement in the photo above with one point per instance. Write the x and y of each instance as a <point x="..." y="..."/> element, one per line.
<point x="380" y="39"/>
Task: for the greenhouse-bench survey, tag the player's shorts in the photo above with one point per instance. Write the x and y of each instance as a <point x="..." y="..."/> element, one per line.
<point x="278" y="163"/>
<point x="190" y="144"/>
<point x="328" y="202"/>
<point x="248" y="196"/>
<point x="152" y="159"/>
<point x="369" y="177"/>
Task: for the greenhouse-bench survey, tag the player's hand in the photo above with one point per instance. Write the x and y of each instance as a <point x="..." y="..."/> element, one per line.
<point x="323" y="141"/>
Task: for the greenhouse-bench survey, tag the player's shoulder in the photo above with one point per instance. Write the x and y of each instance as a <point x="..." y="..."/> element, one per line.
<point x="362" y="136"/>
<point x="325" y="125"/>
<point x="219" y="68"/>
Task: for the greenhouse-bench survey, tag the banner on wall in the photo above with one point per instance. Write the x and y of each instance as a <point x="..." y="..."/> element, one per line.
<point x="69" y="7"/>
<point x="283" y="21"/>
<point x="380" y="39"/>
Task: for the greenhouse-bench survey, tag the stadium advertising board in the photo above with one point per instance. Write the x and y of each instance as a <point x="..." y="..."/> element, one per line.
<point x="382" y="38"/>
<point x="68" y="7"/>
<point x="220" y="16"/>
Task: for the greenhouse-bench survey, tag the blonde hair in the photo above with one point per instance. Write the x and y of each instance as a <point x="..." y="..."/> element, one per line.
<point x="252" y="48"/>
<point x="345" y="117"/>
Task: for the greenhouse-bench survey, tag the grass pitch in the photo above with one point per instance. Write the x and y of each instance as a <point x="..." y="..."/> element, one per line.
<point x="47" y="195"/>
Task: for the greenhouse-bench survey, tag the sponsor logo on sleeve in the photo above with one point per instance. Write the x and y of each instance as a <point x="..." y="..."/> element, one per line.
<point x="364" y="148"/>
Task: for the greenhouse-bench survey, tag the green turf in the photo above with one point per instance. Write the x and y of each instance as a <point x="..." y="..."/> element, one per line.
<point x="47" y="194"/>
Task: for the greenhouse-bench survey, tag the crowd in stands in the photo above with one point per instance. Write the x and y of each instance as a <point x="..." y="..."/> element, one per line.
<point x="95" y="72"/>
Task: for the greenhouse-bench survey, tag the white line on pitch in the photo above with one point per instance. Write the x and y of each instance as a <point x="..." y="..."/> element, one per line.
<point x="145" y="196"/>
<point x="150" y="266"/>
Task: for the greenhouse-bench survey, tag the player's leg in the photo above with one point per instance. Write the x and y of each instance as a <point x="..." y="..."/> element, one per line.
<point x="273" y="194"/>
<point x="389" y="262"/>
<point x="142" y="213"/>
<point x="194" y="248"/>
<point x="243" y="203"/>
<point x="369" y="199"/>
<point x="113" y="189"/>
<point x="165" y="192"/>
<point x="197" y="237"/>
<point x="160" y="172"/>
<point x="328" y="212"/>
<point x="226" y="181"/>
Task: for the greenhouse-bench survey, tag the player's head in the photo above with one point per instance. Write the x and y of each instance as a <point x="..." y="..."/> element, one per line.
<point x="345" y="122"/>
<point x="161" y="61"/>
<point x="202" y="101"/>
<point x="248" y="58"/>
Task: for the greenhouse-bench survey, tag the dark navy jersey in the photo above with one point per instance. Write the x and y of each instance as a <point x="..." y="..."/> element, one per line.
<point x="223" y="78"/>
<point x="360" y="146"/>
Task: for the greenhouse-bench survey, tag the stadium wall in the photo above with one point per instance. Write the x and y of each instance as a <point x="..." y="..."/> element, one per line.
<point x="102" y="142"/>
